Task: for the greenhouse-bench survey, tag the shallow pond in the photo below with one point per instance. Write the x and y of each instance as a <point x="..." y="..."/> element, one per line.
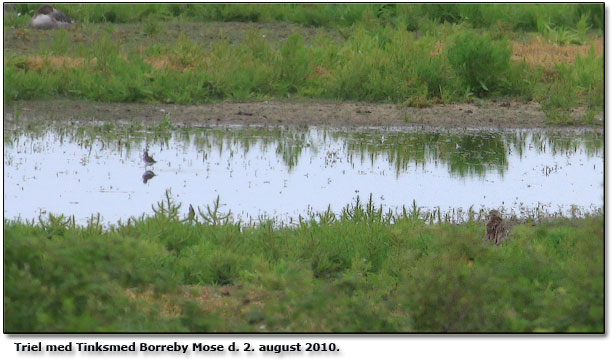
<point x="283" y="173"/>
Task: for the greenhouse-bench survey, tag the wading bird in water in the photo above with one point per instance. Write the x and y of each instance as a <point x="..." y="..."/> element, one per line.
<point x="48" y="17"/>
<point x="496" y="228"/>
<point x="148" y="159"/>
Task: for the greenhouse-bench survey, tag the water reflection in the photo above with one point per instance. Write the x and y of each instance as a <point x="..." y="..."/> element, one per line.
<point x="465" y="154"/>
<point x="284" y="172"/>
<point x="148" y="175"/>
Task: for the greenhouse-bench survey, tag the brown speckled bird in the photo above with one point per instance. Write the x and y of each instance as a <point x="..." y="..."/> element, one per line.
<point x="496" y="228"/>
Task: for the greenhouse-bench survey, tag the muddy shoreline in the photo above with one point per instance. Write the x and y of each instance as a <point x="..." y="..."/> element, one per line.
<point x="483" y="114"/>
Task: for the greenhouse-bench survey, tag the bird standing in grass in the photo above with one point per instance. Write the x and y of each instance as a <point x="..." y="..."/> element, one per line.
<point x="496" y="228"/>
<point x="148" y="159"/>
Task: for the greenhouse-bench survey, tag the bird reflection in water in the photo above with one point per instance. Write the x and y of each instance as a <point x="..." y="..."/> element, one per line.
<point x="148" y="175"/>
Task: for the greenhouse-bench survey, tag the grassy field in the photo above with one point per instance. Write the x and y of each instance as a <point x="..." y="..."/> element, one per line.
<point x="526" y="17"/>
<point x="361" y="271"/>
<point x="410" y="54"/>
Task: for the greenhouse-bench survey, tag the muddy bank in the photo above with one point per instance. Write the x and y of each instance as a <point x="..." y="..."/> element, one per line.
<point x="484" y="114"/>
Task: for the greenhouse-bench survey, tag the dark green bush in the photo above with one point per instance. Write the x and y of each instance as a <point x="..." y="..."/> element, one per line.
<point x="478" y="60"/>
<point x="73" y="283"/>
<point x="203" y="264"/>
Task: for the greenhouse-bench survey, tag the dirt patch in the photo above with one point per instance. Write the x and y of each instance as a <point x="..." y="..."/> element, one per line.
<point x="484" y="114"/>
<point x="37" y="63"/>
<point x="540" y="52"/>
<point x="27" y="41"/>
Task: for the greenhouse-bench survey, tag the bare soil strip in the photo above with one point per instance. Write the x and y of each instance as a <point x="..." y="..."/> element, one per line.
<point x="481" y="114"/>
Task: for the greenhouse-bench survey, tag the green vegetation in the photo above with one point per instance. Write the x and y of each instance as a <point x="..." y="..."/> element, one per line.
<point x="411" y="54"/>
<point x="362" y="271"/>
<point x="525" y="17"/>
<point x="479" y="61"/>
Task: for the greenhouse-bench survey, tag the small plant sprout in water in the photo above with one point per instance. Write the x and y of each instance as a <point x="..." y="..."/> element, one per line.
<point x="164" y="126"/>
<point x="415" y="213"/>
<point x="213" y="216"/>
<point x="56" y="224"/>
<point x="167" y="208"/>
<point x="369" y="212"/>
<point x="326" y="217"/>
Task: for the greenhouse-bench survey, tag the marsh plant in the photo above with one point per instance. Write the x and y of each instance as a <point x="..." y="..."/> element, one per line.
<point x="211" y="214"/>
<point x="480" y="62"/>
<point x="163" y="273"/>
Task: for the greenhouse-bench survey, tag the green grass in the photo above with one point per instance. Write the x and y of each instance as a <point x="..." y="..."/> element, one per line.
<point x="583" y="80"/>
<point x="478" y="60"/>
<point x="370" y="56"/>
<point x="393" y="66"/>
<point x="353" y="272"/>
<point x="525" y="17"/>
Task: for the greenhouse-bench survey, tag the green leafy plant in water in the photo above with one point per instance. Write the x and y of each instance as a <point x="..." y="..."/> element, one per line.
<point x="213" y="216"/>
<point x="94" y="225"/>
<point x="414" y="213"/>
<point x="165" y="126"/>
<point x="167" y="208"/>
<point x="56" y="225"/>
<point x="326" y="217"/>
<point x="353" y="212"/>
<point x="369" y="212"/>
